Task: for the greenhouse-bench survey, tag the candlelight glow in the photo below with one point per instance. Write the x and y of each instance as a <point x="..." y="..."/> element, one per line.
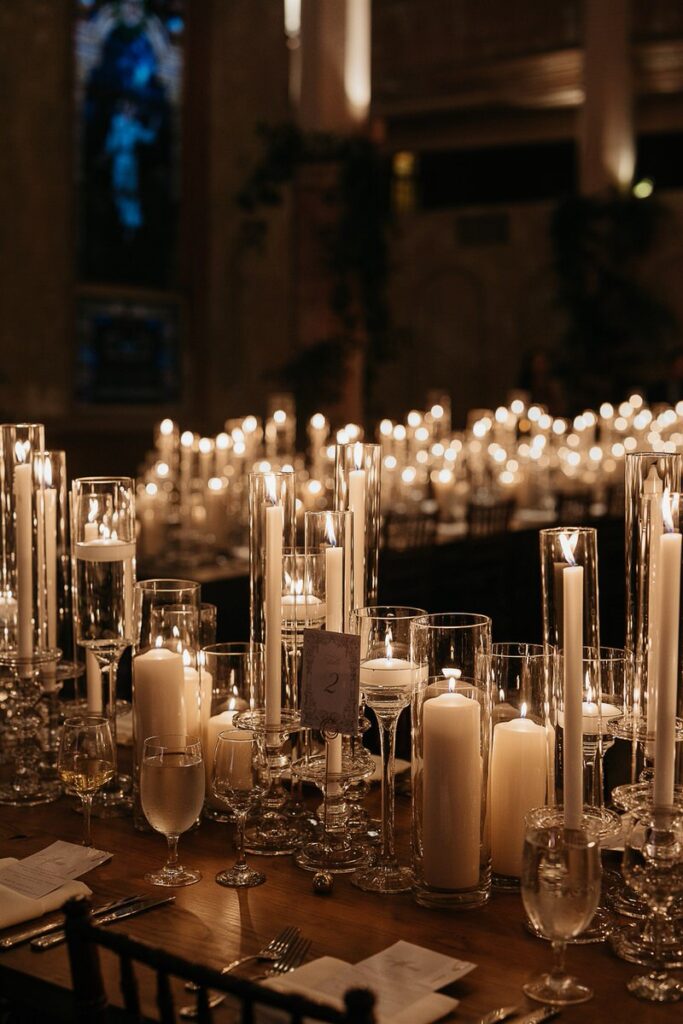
<point x="568" y="542"/>
<point x="388" y="649"/>
<point x="522" y="710"/>
<point x="151" y="489"/>
<point x="667" y="511"/>
<point x="269" y="483"/>
<point x="166" y="427"/>
<point x="215" y="484"/>
<point x="330" y="533"/>
<point x="223" y="441"/>
<point x="186" y="438"/>
<point x="249" y="424"/>
<point x="358" y="455"/>
<point x="205" y="445"/>
<point x="318" y="421"/>
<point x="437" y="412"/>
<point x="279" y="417"/>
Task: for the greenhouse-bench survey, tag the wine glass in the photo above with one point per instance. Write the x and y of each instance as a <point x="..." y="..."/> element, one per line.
<point x="86" y="760"/>
<point x="561" y="874"/>
<point x="653" y="868"/>
<point x="172" y="794"/>
<point x="240" y="776"/>
<point x="103" y="546"/>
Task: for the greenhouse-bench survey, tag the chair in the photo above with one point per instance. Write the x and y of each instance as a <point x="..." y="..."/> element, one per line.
<point x="574" y="507"/>
<point x="486" y="518"/>
<point x="92" y="1005"/>
<point x="406" y="529"/>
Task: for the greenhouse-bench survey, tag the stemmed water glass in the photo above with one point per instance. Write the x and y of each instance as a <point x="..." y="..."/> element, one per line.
<point x="240" y="776"/>
<point x="388" y="678"/>
<point x="103" y="545"/>
<point x="653" y="868"/>
<point x="561" y="874"/>
<point x="172" y="794"/>
<point x="86" y="760"/>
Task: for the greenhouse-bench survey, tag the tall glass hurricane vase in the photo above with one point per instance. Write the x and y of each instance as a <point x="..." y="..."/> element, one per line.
<point x="389" y="675"/>
<point x="103" y="549"/>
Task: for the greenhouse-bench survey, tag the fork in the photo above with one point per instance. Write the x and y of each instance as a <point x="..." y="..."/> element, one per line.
<point x="501" y="1014"/>
<point x="292" y="958"/>
<point x="277" y="949"/>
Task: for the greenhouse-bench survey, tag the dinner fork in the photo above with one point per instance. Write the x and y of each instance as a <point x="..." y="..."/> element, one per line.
<point x="278" y="949"/>
<point x="292" y="958"/>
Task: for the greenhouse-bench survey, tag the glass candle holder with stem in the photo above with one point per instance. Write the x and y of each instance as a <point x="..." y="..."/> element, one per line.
<point x="522" y="750"/>
<point x="233" y="674"/>
<point x="653" y="868"/>
<point x="561" y="875"/>
<point x="86" y="760"/>
<point x="103" y="549"/>
<point x="240" y="776"/>
<point x="167" y="695"/>
<point x="389" y="675"/>
<point x="452" y="865"/>
<point x="172" y="794"/>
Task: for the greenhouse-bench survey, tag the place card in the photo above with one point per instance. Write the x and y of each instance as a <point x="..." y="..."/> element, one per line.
<point x="404" y="961"/>
<point x="330" y="681"/>
<point x="43" y="872"/>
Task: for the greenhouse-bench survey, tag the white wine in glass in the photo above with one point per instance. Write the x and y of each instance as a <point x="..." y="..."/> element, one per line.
<point x="172" y="794"/>
<point x="86" y="760"/>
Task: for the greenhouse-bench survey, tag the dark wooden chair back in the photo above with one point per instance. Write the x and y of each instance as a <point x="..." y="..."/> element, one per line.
<point x="486" y="518"/>
<point x="574" y="508"/>
<point x="406" y="529"/>
<point x="92" y="1005"/>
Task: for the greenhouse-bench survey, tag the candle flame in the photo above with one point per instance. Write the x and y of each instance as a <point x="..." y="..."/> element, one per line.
<point x="522" y="711"/>
<point x="388" y="649"/>
<point x="358" y="455"/>
<point x="330" y="534"/>
<point x="21" y="450"/>
<point x="187" y="658"/>
<point x="452" y="675"/>
<point x="159" y="642"/>
<point x="47" y="471"/>
<point x="667" y="510"/>
<point x="92" y="509"/>
<point x="568" y="542"/>
<point x="166" y="427"/>
<point x="270" y="488"/>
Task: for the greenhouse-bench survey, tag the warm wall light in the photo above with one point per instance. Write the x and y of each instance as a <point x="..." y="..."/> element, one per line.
<point x="357" y="58"/>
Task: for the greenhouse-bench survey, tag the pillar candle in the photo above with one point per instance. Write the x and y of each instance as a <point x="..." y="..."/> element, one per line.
<point x="452" y="791"/>
<point x="518" y="783"/>
<point x="214" y="725"/>
<point x="669" y="569"/>
<point x="302" y="608"/>
<point x="273" y="615"/>
<point x="23" y="494"/>
<point x="572" y="592"/>
<point x="159" y="702"/>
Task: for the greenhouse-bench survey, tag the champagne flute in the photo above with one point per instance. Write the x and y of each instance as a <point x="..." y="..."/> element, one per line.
<point x="561" y="873"/>
<point x="86" y="760"/>
<point x="172" y="794"/>
<point x="240" y="776"/>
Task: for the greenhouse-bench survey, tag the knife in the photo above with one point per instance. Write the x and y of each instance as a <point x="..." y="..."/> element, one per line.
<point x="50" y="926"/>
<point x="137" y="907"/>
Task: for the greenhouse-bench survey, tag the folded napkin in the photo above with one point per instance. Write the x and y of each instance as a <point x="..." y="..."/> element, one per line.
<point x="325" y="980"/>
<point x="15" y="908"/>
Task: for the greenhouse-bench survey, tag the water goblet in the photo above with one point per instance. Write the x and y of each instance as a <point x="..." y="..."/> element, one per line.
<point x="240" y="776"/>
<point x="560" y="886"/>
<point x="653" y="868"/>
<point x="86" y="760"/>
<point x="172" y="794"/>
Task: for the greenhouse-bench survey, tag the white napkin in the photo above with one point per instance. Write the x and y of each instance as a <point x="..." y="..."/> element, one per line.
<point x="15" y="908"/>
<point x="322" y="979"/>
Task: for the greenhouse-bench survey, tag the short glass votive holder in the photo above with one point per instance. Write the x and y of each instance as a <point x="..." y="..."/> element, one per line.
<point x="451" y="855"/>
<point x="521" y="775"/>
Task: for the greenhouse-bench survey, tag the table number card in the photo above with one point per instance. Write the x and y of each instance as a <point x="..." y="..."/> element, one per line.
<point x="330" y="681"/>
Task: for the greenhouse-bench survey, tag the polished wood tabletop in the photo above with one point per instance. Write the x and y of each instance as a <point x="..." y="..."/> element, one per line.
<point x="212" y="924"/>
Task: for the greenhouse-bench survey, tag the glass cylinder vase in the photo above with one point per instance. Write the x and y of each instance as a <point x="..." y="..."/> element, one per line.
<point x="569" y="548"/>
<point x="357" y="488"/>
<point x="451" y="715"/>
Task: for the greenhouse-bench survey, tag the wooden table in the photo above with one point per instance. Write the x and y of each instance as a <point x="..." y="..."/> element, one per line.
<point x="213" y="924"/>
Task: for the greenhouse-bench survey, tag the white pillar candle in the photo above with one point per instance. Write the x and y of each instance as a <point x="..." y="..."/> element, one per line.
<point x="518" y="783"/>
<point x="51" y="563"/>
<point x="334" y="600"/>
<point x="669" y="570"/>
<point x="159" y="704"/>
<point x="452" y="789"/>
<point x="214" y="725"/>
<point x="572" y="741"/>
<point x="23" y="494"/>
<point x="357" y="506"/>
<point x="193" y="701"/>
<point x="302" y="608"/>
<point x="388" y="673"/>
<point x="273" y="615"/>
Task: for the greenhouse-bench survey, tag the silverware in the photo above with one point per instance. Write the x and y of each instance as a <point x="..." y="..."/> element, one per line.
<point x="276" y="949"/>
<point x="537" y="1016"/>
<point x="50" y="926"/>
<point x="501" y="1014"/>
<point x="138" y="906"/>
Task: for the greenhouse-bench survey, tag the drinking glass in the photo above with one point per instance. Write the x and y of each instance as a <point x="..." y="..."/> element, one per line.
<point x="388" y="678"/>
<point x="86" y="760"/>
<point x="172" y="793"/>
<point x="653" y="868"/>
<point x="561" y="874"/>
<point x="240" y="776"/>
<point x="103" y="547"/>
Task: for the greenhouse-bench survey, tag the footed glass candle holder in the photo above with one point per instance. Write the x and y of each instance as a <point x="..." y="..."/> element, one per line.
<point x="451" y="854"/>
